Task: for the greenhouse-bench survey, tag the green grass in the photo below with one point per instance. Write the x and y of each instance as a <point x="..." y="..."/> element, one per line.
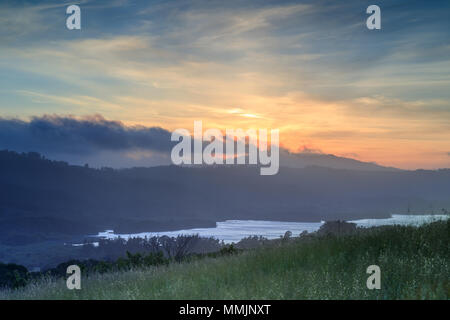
<point x="414" y="264"/>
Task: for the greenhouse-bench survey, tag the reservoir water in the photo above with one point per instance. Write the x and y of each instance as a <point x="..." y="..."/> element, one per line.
<point x="234" y="230"/>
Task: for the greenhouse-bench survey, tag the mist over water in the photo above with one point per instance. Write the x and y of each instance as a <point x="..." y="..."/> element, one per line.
<point x="234" y="230"/>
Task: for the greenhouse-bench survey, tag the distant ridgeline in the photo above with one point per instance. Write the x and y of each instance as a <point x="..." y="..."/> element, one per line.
<point x="42" y="199"/>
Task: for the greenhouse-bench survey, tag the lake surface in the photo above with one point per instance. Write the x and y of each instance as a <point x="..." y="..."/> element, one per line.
<point x="234" y="230"/>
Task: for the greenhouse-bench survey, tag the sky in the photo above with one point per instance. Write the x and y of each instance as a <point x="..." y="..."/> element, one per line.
<point x="311" y="69"/>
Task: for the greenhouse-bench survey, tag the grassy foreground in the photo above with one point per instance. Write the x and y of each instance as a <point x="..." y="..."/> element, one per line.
<point x="414" y="264"/>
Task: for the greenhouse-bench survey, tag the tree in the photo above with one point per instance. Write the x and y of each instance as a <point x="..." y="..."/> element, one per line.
<point x="177" y="248"/>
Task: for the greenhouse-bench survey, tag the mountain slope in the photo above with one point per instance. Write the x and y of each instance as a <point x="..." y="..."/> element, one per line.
<point x="306" y="159"/>
<point x="48" y="199"/>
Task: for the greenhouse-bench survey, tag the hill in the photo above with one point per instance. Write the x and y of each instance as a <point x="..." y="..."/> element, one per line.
<point x="44" y="200"/>
<point x="414" y="263"/>
<point x="307" y="159"/>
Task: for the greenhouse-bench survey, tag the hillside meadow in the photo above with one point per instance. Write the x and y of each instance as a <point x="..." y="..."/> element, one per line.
<point x="414" y="264"/>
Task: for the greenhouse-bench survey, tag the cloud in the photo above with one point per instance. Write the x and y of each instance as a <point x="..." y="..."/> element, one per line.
<point x="74" y="136"/>
<point x="90" y="139"/>
<point x="20" y="22"/>
<point x="311" y="69"/>
<point x="308" y="150"/>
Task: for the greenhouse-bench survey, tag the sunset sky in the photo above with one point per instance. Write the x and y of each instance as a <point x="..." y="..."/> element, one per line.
<point x="308" y="68"/>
